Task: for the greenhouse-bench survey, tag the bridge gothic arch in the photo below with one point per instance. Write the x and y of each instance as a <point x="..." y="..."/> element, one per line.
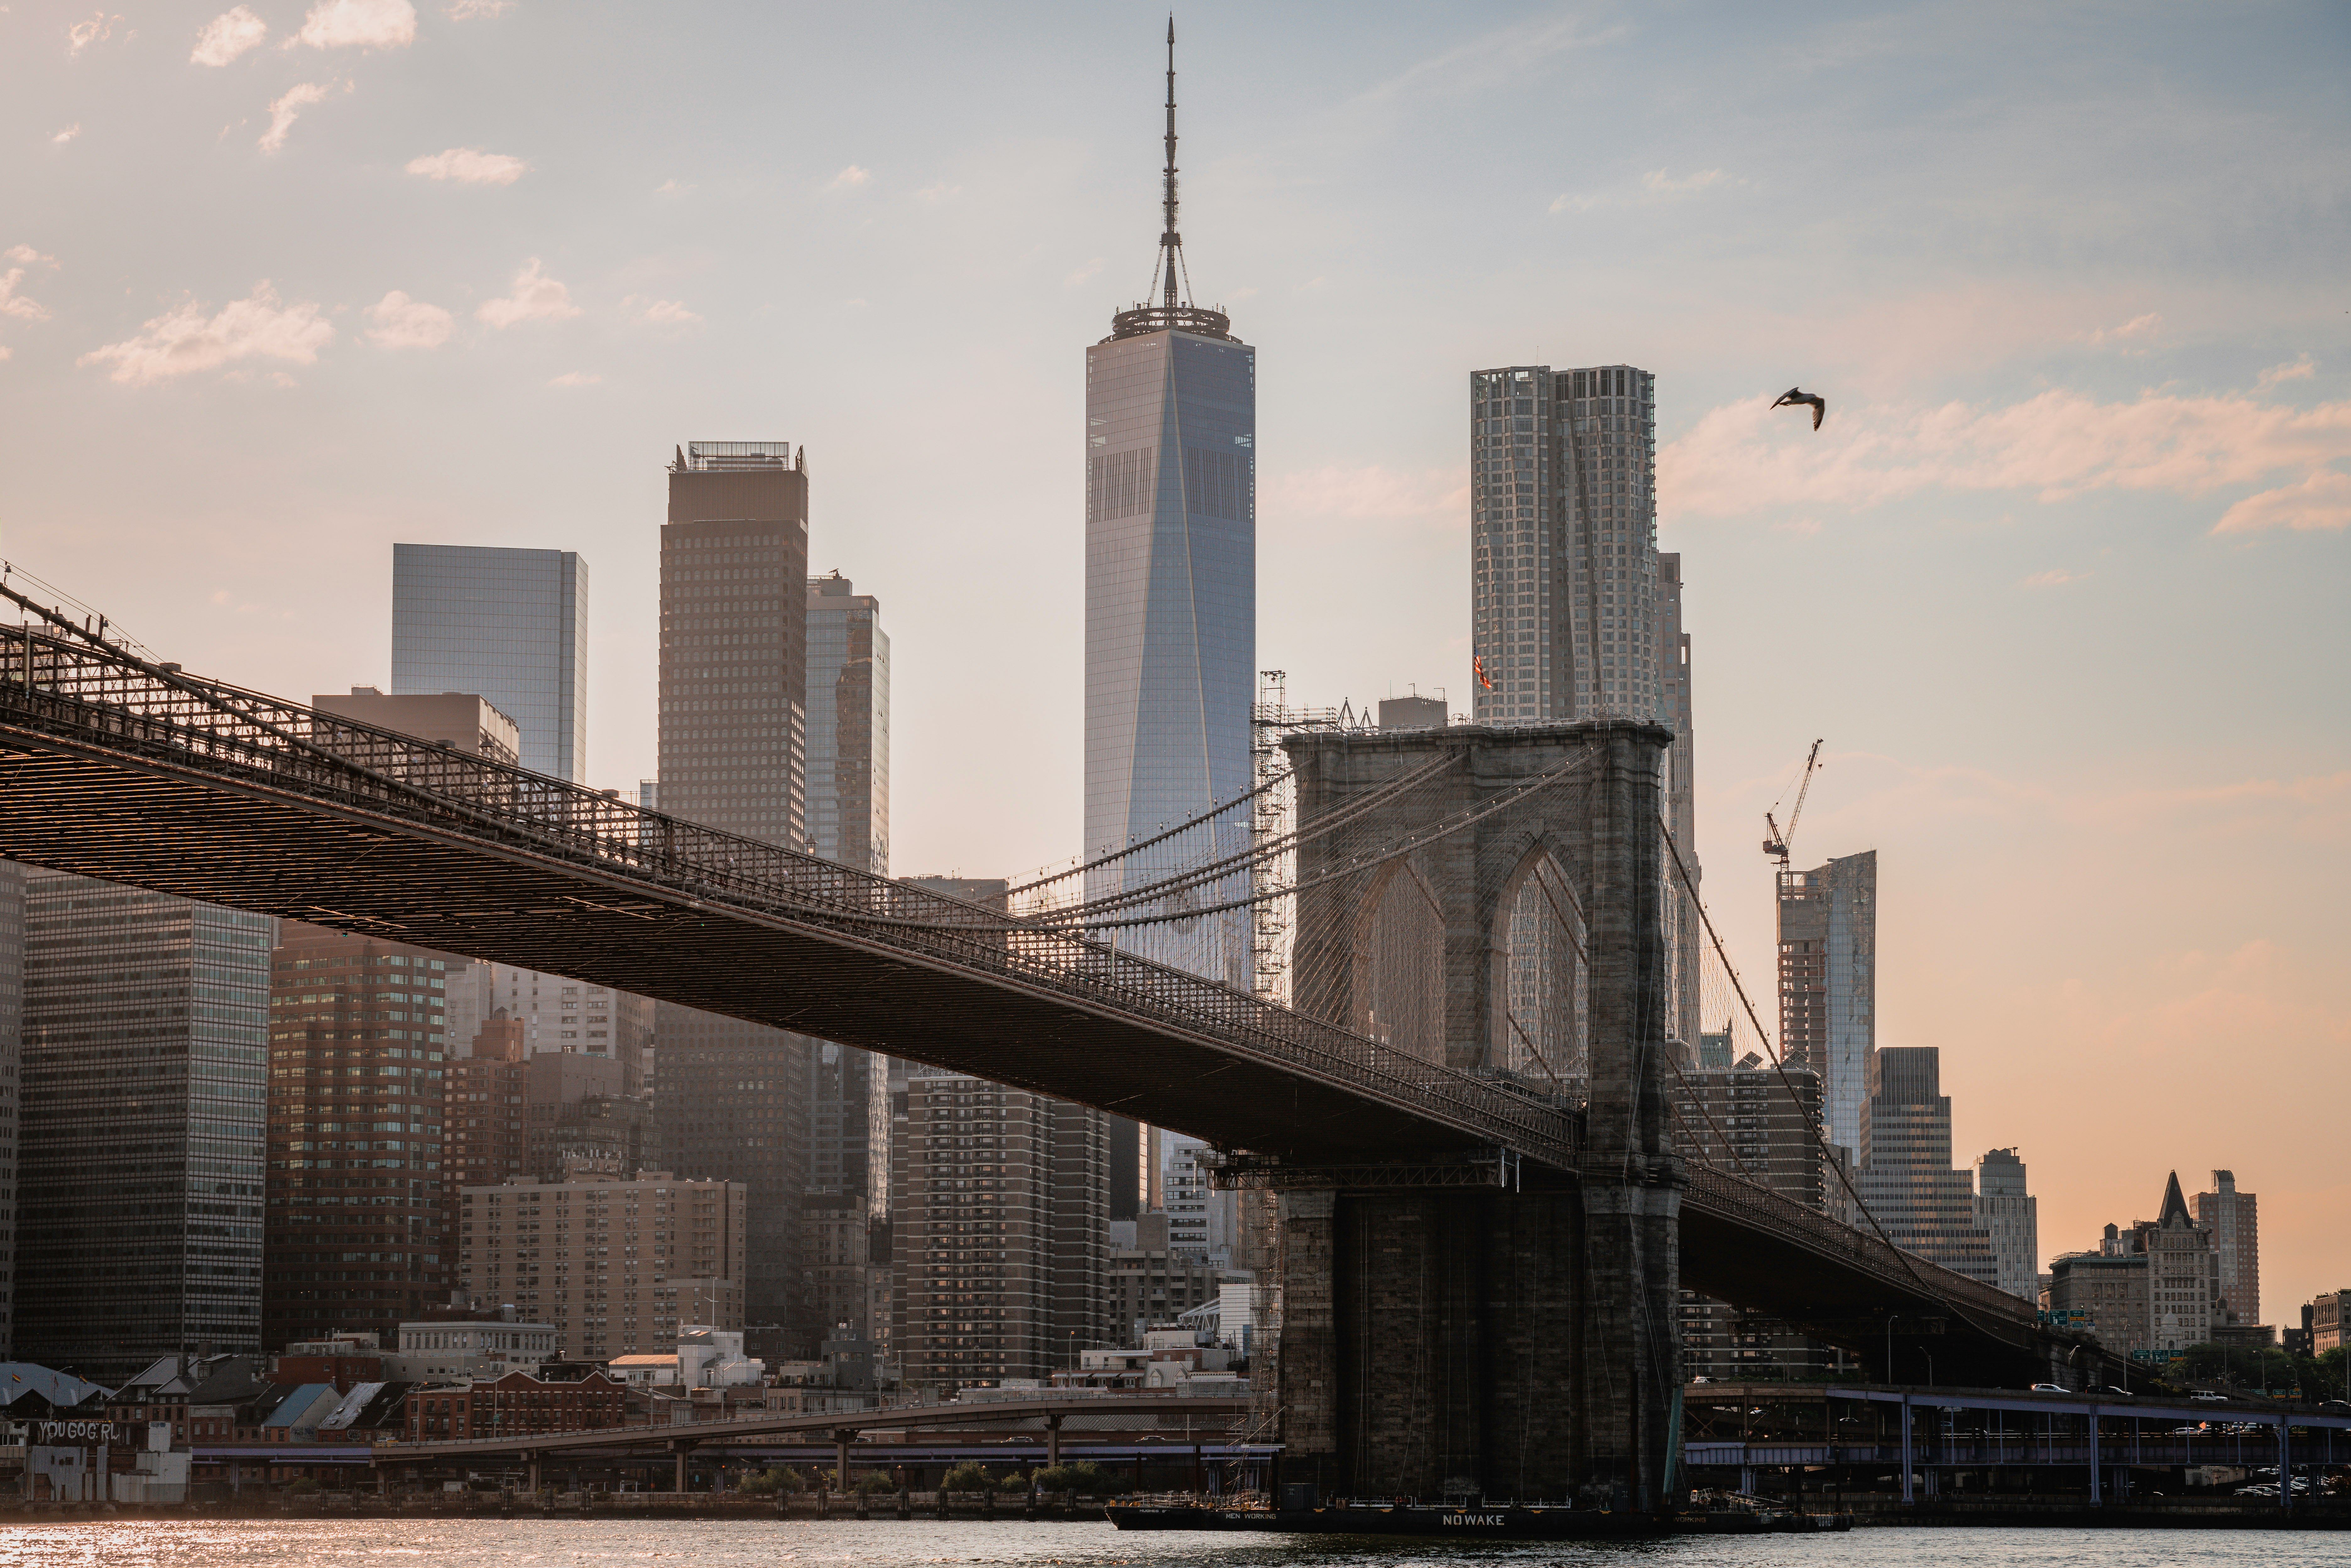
<point x="1396" y="960"/>
<point x="1539" y="976"/>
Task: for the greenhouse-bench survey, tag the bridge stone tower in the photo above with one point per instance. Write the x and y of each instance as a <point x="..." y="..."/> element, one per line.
<point x="1517" y="1341"/>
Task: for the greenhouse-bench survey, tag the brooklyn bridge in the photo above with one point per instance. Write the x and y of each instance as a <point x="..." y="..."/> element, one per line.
<point x="1479" y="1266"/>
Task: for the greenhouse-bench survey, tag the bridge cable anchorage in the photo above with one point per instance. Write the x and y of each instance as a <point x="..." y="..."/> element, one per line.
<point x="73" y="696"/>
<point x="1780" y="1069"/>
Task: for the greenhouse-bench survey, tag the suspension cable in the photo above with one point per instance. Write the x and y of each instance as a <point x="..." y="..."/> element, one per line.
<point x="1781" y="1070"/>
<point x="1361" y="864"/>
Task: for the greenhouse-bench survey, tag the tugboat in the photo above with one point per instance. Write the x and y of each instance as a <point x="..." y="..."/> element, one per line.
<point x="1301" y="1511"/>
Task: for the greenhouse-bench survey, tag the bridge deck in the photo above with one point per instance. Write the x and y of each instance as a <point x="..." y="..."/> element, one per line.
<point x="118" y="769"/>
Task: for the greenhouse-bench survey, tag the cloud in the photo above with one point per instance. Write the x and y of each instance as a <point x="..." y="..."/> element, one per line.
<point x="2144" y="325"/>
<point x="360" y="24"/>
<point x="671" y="188"/>
<point x="1742" y="458"/>
<point x="404" y="323"/>
<point x="1341" y="501"/>
<point x="285" y="110"/>
<point x="228" y="36"/>
<point x="662" y="312"/>
<point x="96" y="30"/>
<point x="1092" y="270"/>
<point x="2301" y="369"/>
<point x="2320" y="501"/>
<point x="536" y="298"/>
<point x="2055" y="577"/>
<point x="1492" y="59"/>
<point x="467" y="10"/>
<point x="1666" y="184"/>
<point x="849" y="179"/>
<point x="938" y="191"/>
<point x="1657" y="185"/>
<point x="575" y="379"/>
<point x="186" y="340"/>
<point x="469" y="166"/>
<point x="15" y="306"/>
<point x="67" y="134"/>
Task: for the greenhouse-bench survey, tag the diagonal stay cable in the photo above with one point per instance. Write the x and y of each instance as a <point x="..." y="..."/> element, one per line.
<point x="1356" y="867"/>
<point x="1233" y="864"/>
<point x="1780" y="1069"/>
<point x="1136" y="848"/>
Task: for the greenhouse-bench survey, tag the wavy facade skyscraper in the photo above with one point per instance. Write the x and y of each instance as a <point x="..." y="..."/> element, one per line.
<point x="1171" y="579"/>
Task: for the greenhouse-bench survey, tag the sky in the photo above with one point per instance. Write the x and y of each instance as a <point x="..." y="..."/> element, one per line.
<point x="2062" y="580"/>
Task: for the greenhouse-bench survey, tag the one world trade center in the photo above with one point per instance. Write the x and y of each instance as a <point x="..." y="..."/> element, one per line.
<point x="1171" y="605"/>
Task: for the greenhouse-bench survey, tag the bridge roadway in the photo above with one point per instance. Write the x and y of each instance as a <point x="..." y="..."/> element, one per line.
<point x="2010" y="1430"/>
<point x="971" y="1417"/>
<point x="132" y="772"/>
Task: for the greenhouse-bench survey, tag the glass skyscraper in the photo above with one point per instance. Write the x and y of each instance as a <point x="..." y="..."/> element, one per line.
<point x="1574" y="612"/>
<point x="510" y="625"/>
<point x="849" y="822"/>
<point x="1564" y="545"/>
<point x="734" y="647"/>
<point x="733" y="1099"/>
<point x="1171" y="579"/>
<point x="139" y="1159"/>
<point x="848" y="726"/>
<point x="358" y="1233"/>
<point x="1828" y="983"/>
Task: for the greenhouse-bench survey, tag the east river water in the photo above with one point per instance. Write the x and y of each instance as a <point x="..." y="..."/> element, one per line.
<point x="690" y="1543"/>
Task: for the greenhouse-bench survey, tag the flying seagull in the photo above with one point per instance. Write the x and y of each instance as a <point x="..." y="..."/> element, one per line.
<point x="1795" y="396"/>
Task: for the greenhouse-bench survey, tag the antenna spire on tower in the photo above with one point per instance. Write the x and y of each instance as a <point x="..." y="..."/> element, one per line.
<point x="1171" y="241"/>
<point x="1171" y="280"/>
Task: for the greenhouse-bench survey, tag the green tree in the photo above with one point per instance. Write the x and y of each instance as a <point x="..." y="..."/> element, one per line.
<point x="779" y="1479"/>
<point x="2331" y="1376"/>
<point x="968" y="1476"/>
<point x="1083" y="1476"/>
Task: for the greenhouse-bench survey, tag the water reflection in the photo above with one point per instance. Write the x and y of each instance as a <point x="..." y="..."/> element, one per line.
<point x="731" y="1543"/>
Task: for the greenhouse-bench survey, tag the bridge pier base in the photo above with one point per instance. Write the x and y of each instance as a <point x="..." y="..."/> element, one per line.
<point x="1453" y="1341"/>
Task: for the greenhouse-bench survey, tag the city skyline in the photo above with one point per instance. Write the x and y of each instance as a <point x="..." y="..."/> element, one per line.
<point x="2029" y="466"/>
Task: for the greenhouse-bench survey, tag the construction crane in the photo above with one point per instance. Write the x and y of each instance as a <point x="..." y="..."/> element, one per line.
<point x="1775" y="842"/>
